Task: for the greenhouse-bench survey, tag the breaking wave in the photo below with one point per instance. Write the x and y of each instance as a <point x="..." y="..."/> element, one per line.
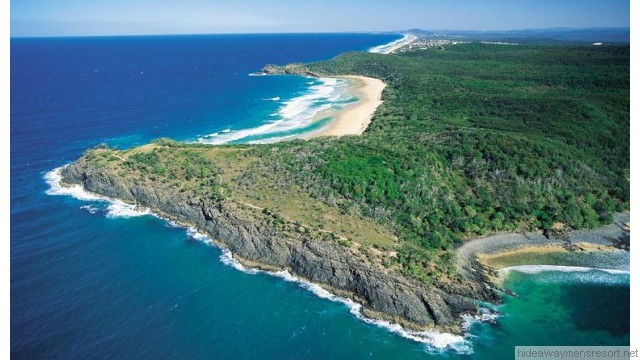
<point x="294" y="116"/>
<point x="115" y="208"/>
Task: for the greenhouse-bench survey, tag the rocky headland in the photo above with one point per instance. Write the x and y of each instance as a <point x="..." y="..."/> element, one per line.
<point x="289" y="69"/>
<point x="256" y="240"/>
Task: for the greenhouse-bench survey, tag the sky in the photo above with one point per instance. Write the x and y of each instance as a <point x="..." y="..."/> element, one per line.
<point x="142" y="17"/>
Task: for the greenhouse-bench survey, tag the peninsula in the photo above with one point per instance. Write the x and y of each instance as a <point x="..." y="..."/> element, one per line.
<point x="469" y="140"/>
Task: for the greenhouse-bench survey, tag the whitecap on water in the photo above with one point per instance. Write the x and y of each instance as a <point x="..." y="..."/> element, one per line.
<point x="294" y="114"/>
<point x="116" y="208"/>
<point x="54" y="180"/>
<point x="383" y="49"/>
<point x="90" y="209"/>
<point x="434" y="342"/>
<point x="119" y="209"/>
<point x="537" y="269"/>
<point x="572" y="274"/>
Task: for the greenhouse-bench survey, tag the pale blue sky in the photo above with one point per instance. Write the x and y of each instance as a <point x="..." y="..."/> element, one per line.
<point x="128" y="17"/>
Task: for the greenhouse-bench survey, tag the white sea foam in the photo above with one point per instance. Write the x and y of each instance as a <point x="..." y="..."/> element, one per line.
<point x="119" y="209"/>
<point x="168" y="223"/>
<point x="293" y="115"/>
<point x="536" y="269"/>
<point x="434" y="341"/>
<point x="196" y="235"/>
<point x="116" y="208"/>
<point x="226" y="257"/>
<point x="277" y="98"/>
<point x="485" y="315"/>
<point x="54" y="179"/>
<point x="90" y="209"/>
<point x="386" y="48"/>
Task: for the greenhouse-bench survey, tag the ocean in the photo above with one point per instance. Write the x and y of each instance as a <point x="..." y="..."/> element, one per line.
<point x="92" y="279"/>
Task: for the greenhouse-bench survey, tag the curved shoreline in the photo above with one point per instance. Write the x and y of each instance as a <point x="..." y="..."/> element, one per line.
<point x="242" y="236"/>
<point x="353" y="119"/>
<point x="482" y="258"/>
<point x="391" y="47"/>
<point x="349" y="119"/>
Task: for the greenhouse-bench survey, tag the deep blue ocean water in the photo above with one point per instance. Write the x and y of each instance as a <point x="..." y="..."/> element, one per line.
<point x="88" y="284"/>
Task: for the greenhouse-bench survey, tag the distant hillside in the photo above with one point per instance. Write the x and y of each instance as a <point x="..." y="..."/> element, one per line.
<point x="538" y="36"/>
<point x="471" y="139"/>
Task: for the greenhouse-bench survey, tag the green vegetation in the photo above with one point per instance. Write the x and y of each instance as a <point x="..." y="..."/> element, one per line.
<point x="470" y="140"/>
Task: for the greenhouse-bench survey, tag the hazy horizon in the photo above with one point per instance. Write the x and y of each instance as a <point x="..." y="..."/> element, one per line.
<point x="399" y="31"/>
<point x="43" y="18"/>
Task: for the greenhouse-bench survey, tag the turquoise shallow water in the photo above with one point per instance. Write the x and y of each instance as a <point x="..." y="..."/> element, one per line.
<point x="574" y="308"/>
<point x="89" y="282"/>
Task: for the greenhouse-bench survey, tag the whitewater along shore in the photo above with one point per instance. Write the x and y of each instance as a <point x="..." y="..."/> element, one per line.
<point x="209" y="198"/>
<point x="259" y="238"/>
<point x="256" y="240"/>
<point x="395" y="45"/>
<point x="606" y="247"/>
<point x="354" y="118"/>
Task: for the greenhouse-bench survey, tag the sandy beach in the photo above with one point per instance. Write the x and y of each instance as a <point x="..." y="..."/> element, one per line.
<point x="590" y="248"/>
<point x="391" y="47"/>
<point x="409" y="39"/>
<point x="354" y="118"/>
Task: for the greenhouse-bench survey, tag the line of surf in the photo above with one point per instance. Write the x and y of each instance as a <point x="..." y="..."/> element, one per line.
<point x="115" y="208"/>
<point x="537" y="269"/>
<point x="435" y="342"/>
<point x="394" y="45"/>
<point x="294" y="117"/>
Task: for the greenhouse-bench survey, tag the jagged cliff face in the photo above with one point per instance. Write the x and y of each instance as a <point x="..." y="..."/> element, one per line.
<point x="290" y="69"/>
<point x="251" y="235"/>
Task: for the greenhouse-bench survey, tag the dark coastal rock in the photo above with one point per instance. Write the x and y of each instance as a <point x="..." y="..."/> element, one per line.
<point x="250" y="236"/>
<point x="290" y="69"/>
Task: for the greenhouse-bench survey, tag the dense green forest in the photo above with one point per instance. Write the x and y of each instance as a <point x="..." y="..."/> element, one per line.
<point x="478" y="138"/>
<point x="471" y="139"/>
